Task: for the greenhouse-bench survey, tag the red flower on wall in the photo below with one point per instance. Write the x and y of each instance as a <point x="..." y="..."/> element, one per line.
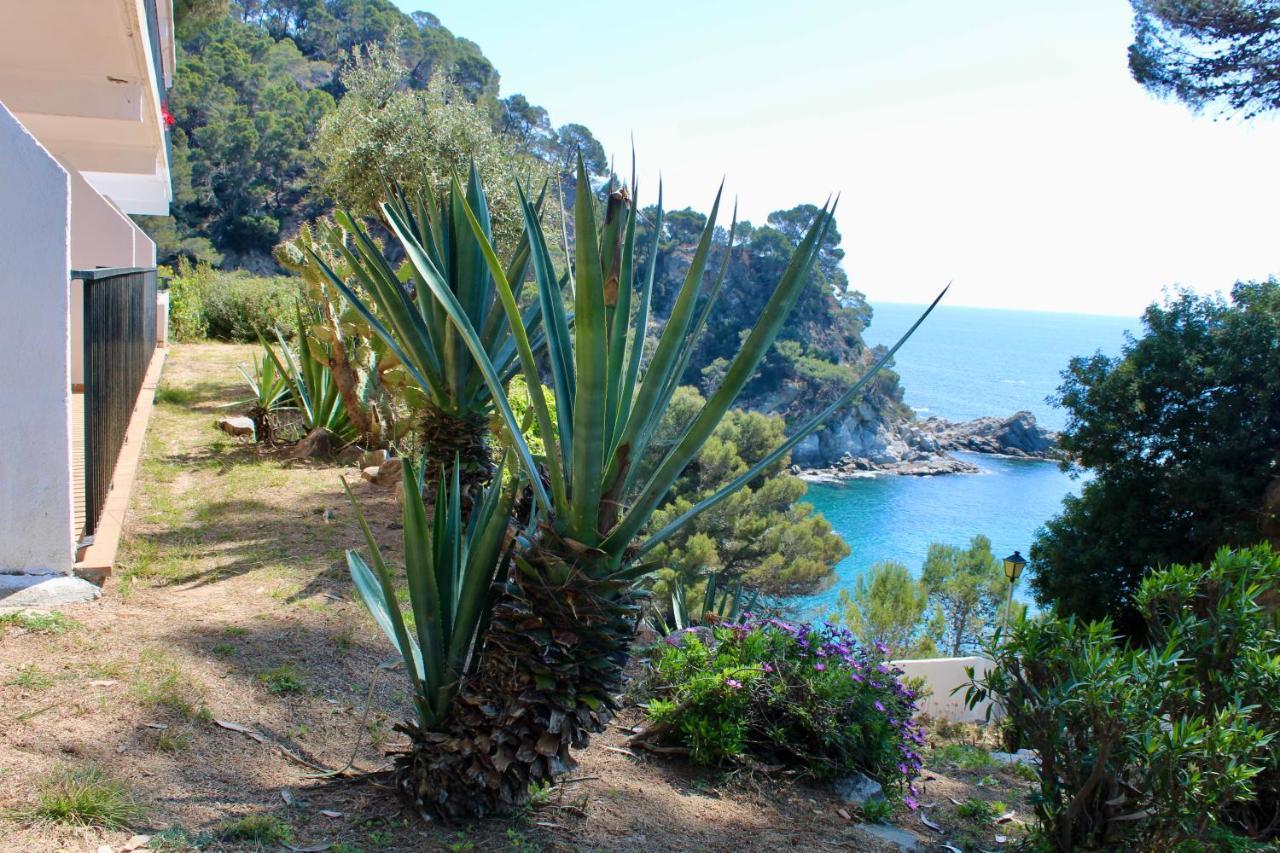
<point x="169" y="120"/>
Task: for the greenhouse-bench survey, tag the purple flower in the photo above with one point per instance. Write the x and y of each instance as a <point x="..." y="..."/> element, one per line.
<point x="878" y="705"/>
<point x="819" y="667"/>
<point x="732" y="683"/>
<point x="882" y="648"/>
<point x="857" y="678"/>
<point x="911" y="803"/>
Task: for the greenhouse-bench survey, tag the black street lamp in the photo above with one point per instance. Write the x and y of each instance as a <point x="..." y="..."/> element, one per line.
<point x="1013" y="565"/>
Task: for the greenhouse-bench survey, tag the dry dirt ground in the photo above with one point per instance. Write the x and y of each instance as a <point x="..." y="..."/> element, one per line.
<point x="231" y="605"/>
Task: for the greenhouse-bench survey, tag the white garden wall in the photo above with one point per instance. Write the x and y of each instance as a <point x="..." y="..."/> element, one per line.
<point x="101" y="236"/>
<point x="36" y="509"/>
<point x="943" y="675"/>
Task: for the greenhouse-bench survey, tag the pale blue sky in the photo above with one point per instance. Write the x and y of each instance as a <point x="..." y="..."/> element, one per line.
<point x="1001" y="144"/>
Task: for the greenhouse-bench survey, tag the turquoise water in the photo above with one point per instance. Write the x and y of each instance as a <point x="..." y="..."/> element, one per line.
<point x="963" y="363"/>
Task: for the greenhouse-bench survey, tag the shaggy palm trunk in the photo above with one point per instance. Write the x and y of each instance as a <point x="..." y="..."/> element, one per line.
<point x="446" y="437"/>
<point x="547" y="677"/>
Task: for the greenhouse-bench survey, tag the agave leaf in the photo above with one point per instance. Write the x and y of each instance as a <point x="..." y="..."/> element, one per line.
<point x="639" y="329"/>
<point x="590" y="362"/>
<point x="646" y="412"/>
<point x="740" y="370"/>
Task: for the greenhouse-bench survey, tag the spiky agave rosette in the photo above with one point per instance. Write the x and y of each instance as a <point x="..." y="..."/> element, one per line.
<point x="551" y="651"/>
<point x="546" y="678"/>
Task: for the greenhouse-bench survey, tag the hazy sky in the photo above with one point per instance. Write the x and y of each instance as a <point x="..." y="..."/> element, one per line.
<point x="998" y="143"/>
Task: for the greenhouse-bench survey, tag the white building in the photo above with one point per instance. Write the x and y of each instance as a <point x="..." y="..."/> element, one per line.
<point x="83" y="143"/>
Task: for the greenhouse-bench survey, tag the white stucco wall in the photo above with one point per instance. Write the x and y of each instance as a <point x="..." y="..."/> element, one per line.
<point x="941" y="676"/>
<point x="36" y="510"/>
<point x="101" y="236"/>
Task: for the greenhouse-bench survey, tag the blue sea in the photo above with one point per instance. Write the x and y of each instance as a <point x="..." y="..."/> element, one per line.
<point x="964" y="363"/>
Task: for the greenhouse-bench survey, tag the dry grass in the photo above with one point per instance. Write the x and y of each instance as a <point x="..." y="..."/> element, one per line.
<point x="231" y="604"/>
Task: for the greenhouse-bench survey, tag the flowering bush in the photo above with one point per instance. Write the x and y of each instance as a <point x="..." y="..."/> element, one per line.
<point x="1171" y="745"/>
<point x="803" y="697"/>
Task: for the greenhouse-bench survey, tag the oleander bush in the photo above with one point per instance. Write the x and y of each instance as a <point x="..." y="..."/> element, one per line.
<point x="804" y="697"/>
<point x="229" y="306"/>
<point x="1163" y="745"/>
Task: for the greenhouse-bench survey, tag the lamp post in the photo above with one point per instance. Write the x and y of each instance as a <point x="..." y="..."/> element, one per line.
<point x="1012" y="570"/>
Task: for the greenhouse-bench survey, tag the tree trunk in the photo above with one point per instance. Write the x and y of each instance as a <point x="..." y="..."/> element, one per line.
<point x="446" y="437"/>
<point x="362" y="416"/>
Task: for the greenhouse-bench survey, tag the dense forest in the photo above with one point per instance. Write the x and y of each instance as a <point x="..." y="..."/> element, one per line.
<point x="284" y="109"/>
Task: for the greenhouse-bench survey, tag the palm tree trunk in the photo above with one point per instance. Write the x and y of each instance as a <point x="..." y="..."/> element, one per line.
<point x="446" y="437"/>
<point x="546" y="678"/>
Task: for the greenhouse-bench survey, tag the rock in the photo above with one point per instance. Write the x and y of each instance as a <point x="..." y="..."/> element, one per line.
<point x="893" y="835"/>
<point x="1022" y="756"/>
<point x="1018" y="435"/>
<point x="319" y="444"/>
<point x="24" y="592"/>
<point x="374" y="458"/>
<point x="350" y="455"/>
<point x="239" y="425"/>
<point x="858" y="789"/>
<point x="386" y="474"/>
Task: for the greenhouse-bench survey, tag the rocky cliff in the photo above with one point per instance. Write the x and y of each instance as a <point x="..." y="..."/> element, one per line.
<point x="864" y="442"/>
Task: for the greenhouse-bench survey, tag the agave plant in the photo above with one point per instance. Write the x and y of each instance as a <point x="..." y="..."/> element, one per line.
<point x="720" y="603"/>
<point x="360" y="363"/>
<point x="451" y="565"/>
<point x="417" y="330"/>
<point x="550" y="667"/>
<point x="268" y="395"/>
<point x="312" y="389"/>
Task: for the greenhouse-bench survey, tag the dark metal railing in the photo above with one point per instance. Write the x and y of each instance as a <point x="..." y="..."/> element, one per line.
<point x="119" y="339"/>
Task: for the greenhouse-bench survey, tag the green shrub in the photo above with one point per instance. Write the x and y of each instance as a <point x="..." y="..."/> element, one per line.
<point x="803" y="697"/>
<point x="240" y="306"/>
<point x="1159" y="746"/>
<point x="232" y="306"/>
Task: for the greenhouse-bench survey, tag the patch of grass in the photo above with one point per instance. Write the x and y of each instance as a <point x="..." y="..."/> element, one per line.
<point x="978" y="811"/>
<point x="173" y="741"/>
<point x="33" y="678"/>
<point x="39" y="621"/>
<point x="160" y="683"/>
<point x="175" y="839"/>
<point x="258" y="828"/>
<point x="520" y="843"/>
<point x="148" y="560"/>
<point x="235" y="631"/>
<point x="224" y="649"/>
<point x="282" y="679"/>
<point x="877" y="811"/>
<point x="1025" y="772"/>
<point x="175" y="396"/>
<point x="964" y="756"/>
<point x="83" y="797"/>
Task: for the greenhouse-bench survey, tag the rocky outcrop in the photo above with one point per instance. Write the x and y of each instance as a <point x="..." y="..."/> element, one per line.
<point x="1018" y="435"/>
<point x="865" y="444"/>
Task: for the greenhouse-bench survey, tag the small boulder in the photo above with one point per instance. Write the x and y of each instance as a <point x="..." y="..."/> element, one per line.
<point x="386" y="474"/>
<point x="235" y="425"/>
<point x="1022" y="756"/>
<point x="896" y="836"/>
<point x="858" y="789"/>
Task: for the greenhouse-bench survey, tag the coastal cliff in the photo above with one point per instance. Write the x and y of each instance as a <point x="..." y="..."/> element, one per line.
<point x="865" y="442"/>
